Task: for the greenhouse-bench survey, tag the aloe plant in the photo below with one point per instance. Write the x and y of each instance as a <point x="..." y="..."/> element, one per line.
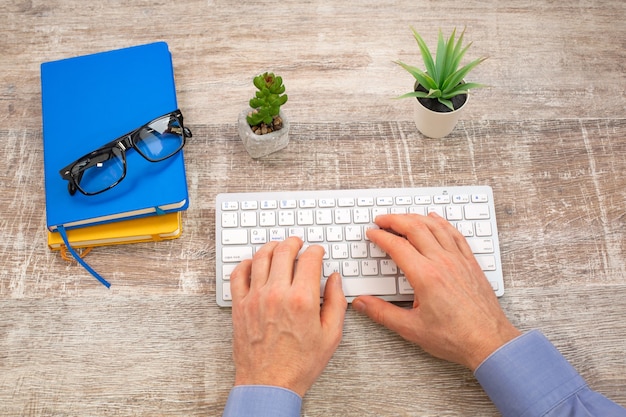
<point x="443" y="79"/>
<point x="267" y="100"/>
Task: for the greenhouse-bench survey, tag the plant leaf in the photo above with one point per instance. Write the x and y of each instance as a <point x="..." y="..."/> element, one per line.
<point x="454" y="79"/>
<point x="446" y="103"/>
<point x="427" y="57"/>
<point x="425" y="80"/>
<point x="449" y="65"/>
<point x="418" y="94"/>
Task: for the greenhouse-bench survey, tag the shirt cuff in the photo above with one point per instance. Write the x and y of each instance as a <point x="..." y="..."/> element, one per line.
<point x="528" y="376"/>
<point x="262" y="401"/>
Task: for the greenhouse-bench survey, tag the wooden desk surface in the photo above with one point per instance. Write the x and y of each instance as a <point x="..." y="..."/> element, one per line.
<point x="548" y="136"/>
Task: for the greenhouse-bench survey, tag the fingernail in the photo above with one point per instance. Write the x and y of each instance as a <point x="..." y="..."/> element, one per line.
<point x="359" y="305"/>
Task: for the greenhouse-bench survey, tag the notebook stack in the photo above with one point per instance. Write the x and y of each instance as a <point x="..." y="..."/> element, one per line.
<point x="87" y="102"/>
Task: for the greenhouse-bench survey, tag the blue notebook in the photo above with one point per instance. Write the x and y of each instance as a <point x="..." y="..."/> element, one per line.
<point x="90" y="100"/>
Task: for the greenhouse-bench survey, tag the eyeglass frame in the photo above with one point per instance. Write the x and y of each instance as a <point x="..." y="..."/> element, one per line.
<point x="124" y="143"/>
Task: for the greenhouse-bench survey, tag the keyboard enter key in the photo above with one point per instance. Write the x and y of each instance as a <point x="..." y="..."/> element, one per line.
<point x="480" y="245"/>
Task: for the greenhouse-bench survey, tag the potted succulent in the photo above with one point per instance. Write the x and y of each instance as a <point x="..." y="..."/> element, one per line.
<point x="263" y="127"/>
<point x="441" y="90"/>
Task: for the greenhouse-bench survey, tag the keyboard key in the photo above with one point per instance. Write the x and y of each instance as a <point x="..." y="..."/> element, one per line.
<point x="308" y="203"/>
<point x="305" y="217"/>
<point x="315" y="234"/>
<point x="334" y="234"/>
<point x="480" y="198"/>
<point x="343" y="216"/>
<point x="277" y="235"/>
<point x="483" y="228"/>
<point x="487" y="263"/>
<point x="350" y="268"/>
<point x="226" y="294"/>
<point x="339" y="251"/>
<point x="258" y="236"/>
<point x="376" y="251"/>
<point x="345" y="202"/>
<point x="388" y="267"/>
<point x="234" y="236"/>
<point x="460" y="198"/>
<point x="249" y="205"/>
<point x="236" y="253"/>
<point x="404" y="200"/>
<point x="248" y="219"/>
<point x="373" y="286"/>
<point x="286" y="218"/>
<point x="476" y="211"/>
<point x="454" y="213"/>
<point x="288" y="204"/>
<point x="323" y="216"/>
<point x="329" y="267"/>
<point x="442" y="199"/>
<point x="423" y="199"/>
<point x="358" y="250"/>
<point x="230" y="206"/>
<point x="369" y="268"/>
<point x="267" y="218"/>
<point x="404" y="287"/>
<point x="361" y="216"/>
<point x="354" y="233"/>
<point x="229" y="219"/>
<point x="268" y="204"/>
<point x="227" y="270"/>
<point x="481" y="245"/>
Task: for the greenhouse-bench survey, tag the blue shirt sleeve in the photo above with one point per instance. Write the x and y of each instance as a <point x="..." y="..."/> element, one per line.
<point x="262" y="401"/>
<point x="528" y="377"/>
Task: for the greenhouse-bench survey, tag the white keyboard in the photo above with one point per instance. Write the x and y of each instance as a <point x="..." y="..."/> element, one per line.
<point x="338" y="219"/>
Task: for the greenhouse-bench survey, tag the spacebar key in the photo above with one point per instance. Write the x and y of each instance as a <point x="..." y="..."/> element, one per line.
<point x="371" y="286"/>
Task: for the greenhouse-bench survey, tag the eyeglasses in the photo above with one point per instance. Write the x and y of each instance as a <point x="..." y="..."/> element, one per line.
<point x="104" y="168"/>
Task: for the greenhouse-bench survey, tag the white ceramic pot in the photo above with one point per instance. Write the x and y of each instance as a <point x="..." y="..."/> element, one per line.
<point x="435" y="124"/>
<point x="262" y="145"/>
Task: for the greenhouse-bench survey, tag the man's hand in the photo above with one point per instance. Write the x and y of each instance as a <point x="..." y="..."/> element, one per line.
<point x="456" y="315"/>
<point x="282" y="336"/>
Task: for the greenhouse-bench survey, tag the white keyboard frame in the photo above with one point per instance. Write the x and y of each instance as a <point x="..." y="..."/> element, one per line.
<point x="446" y="197"/>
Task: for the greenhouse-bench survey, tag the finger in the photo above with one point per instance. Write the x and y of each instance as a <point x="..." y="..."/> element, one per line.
<point x="394" y="318"/>
<point x="240" y="280"/>
<point x="309" y="270"/>
<point x="443" y="231"/>
<point x="413" y="226"/>
<point x="403" y="253"/>
<point x="333" y="310"/>
<point x="283" y="260"/>
<point x="261" y="263"/>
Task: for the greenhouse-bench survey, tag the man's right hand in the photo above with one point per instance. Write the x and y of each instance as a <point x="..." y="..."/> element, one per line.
<point x="456" y="315"/>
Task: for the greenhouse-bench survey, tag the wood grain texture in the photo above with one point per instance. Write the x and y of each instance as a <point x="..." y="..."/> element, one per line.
<point x="548" y="136"/>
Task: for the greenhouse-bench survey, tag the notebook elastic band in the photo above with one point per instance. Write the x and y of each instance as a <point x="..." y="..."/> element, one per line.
<point x="76" y="256"/>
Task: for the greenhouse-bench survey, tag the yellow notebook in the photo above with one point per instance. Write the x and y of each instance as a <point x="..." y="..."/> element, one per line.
<point x="143" y="229"/>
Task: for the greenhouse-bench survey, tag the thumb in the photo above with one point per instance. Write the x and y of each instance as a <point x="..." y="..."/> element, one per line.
<point x="333" y="310"/>
<point x="389" y="315"/>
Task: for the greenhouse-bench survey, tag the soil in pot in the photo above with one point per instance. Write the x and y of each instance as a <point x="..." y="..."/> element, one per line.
<point x="264" y="129"/>
<point x="434" y="104"/>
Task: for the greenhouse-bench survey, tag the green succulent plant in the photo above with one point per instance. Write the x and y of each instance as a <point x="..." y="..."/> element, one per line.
<point x="267" y="100"/>
<point x="443" y="79"/>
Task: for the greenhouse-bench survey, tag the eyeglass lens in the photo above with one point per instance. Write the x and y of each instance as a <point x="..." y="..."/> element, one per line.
<point x="160" y="139"/>
<point x="156" y="141"/>
<point x="99" y="172"/>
